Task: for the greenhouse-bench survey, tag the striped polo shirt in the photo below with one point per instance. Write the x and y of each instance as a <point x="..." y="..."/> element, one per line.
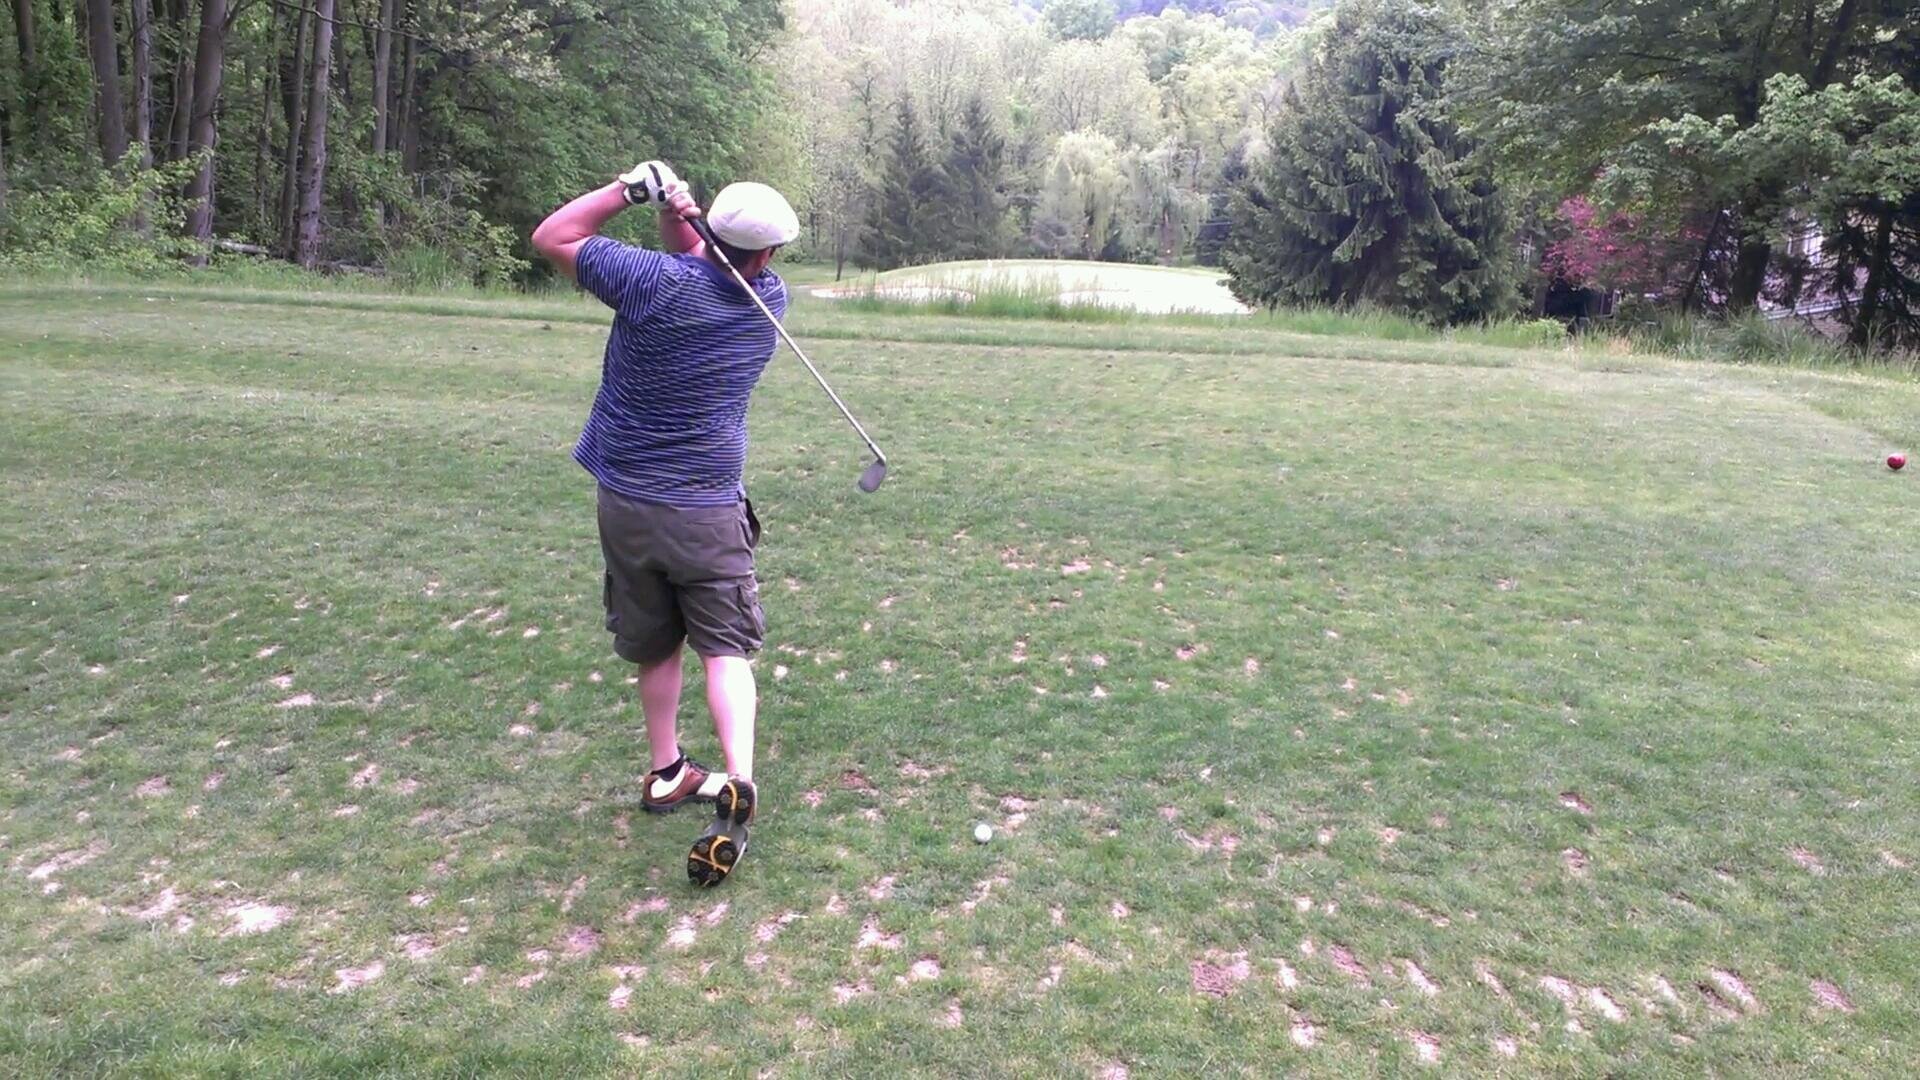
<point x="669" y="424"/>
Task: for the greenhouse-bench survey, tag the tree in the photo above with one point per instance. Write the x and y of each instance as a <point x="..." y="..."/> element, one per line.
<point x="208" y="68"/>
<point x="103" y="51"/>
<point x="970" y="195"/>
<point x="313" y="156"/>
<point x="903" y="227"/>
<point x="1079" y="20"/>
<point x="1369" y="193"/>
<point x="1569" y="90"/>
<point x="1080" y="202"/>
<point x="1854" y="148"/>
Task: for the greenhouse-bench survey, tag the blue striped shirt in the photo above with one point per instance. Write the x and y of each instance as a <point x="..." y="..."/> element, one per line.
<point x="669" y="424"/>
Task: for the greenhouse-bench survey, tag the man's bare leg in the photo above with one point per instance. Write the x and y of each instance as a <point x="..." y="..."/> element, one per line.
<point x="734" y="700"/>
<point x="660" y="701"/>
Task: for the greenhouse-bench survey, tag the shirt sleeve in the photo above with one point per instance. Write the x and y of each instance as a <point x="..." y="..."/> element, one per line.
<point x="624" y="277"/>
<point x="776" y="298"/>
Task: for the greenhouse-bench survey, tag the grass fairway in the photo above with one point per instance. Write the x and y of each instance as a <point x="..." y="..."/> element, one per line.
<point x="1344" y="707"/>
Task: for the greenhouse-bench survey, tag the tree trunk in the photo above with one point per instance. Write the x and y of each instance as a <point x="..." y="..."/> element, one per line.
<point x="313" y="169"/>
<point x="382" y="71"/>
<point x="208" y="63"/>
<point x="3" y="180"/>
<point x="293" y="96"/>
<point x="181" y="118"/>
<point x="142" y="29"/>
<point x="1749" y="274"/>
<point x="263" y="140"/>
<point x="110" y="111"/>
<point x="1861" y="333"/>
<point x="410" y="125"/>
<point x="23" y="34"/>
<point x="143" y="79"/>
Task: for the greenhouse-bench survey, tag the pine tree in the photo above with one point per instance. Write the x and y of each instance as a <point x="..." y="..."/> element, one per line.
<point x="1369" y="194"/>
<point x="974" y="209"/>
<point x="903" y="226"/>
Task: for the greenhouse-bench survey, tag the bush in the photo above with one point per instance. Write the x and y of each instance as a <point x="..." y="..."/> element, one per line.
<point x="89" y="227"/>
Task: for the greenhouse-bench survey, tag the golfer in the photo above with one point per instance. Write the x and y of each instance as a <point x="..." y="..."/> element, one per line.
<point x="666" y="440"/>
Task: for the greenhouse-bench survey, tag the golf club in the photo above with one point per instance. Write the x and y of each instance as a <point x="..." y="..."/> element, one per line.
<point x="876" y="472"/>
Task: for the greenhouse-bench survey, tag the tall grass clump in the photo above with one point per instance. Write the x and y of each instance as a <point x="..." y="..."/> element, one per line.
<point x="1756" y="339"/>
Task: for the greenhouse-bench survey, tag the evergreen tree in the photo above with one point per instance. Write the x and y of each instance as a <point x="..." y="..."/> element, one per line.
<point x="903" y="227"/>
<point x="975" y="210"/>
<point x="1369" y="193"/>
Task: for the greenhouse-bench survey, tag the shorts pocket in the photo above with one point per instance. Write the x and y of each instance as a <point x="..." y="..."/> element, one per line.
<point x="756" y="618"/>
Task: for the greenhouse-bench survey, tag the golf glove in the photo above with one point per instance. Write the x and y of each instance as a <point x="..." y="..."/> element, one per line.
<point x="650" y="182"/>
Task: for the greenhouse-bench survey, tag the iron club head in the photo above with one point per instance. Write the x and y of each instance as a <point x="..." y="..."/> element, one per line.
<point x="870" y="480"/>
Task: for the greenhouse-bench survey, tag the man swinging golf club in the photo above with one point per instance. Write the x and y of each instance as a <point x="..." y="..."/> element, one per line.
<point x="667" y="441"/>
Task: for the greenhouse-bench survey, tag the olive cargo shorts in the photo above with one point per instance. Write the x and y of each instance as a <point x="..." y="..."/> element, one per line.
<point x="676" y="575"/>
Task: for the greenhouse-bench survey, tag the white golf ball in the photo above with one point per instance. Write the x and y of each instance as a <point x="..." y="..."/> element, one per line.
<point x="982" y="833"/>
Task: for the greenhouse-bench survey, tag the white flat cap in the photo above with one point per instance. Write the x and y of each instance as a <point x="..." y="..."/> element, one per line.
<point x="753" y="217"/>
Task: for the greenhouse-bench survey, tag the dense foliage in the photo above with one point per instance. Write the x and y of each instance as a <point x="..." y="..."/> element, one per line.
<point x="1369" y="193"/>
<point x="1701" y="155"/>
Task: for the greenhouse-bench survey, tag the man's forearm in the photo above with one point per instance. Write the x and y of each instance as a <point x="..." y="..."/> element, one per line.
<point x="558" y="238"/>
<point x="676" y="234"/>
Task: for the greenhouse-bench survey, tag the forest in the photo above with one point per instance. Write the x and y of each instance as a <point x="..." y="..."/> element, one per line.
<point x="1456" y="161"/>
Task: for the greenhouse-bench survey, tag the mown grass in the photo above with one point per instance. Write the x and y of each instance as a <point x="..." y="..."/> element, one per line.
<point x="1312" y="693"/>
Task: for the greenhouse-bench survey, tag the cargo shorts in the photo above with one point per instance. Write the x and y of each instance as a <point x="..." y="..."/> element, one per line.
<point x="680" y="574"/>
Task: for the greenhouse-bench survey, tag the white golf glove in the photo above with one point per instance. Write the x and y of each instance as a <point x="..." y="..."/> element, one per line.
<point x="650" y="182"/>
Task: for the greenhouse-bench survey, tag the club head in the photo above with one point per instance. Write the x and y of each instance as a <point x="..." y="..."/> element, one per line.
<point x="870" y="480"/>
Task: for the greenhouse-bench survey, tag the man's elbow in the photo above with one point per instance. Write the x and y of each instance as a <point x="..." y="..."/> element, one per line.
<point x="542" y="240"/>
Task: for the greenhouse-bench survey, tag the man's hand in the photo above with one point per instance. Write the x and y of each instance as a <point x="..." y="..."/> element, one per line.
<point x="651" y="183"/>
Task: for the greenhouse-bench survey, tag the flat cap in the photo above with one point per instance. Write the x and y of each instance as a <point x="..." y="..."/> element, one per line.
<point x="753" y="217"/>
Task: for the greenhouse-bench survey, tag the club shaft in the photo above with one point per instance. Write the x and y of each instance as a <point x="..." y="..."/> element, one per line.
<point x="707" y="235"/>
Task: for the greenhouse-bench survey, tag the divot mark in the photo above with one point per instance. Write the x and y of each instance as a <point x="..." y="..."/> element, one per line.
<point x="1828" y="996"/>
<point x="650" y="906"/>
<point x="927" y="967"/>
<point x="953" y="1017"/>
<point x="213" y="781"/>
<point x="417" y="947"/>
<point x="1808" y="861"/>
<point x="1731" y="984"/>
<point x="619" y="997"/>
<point x="1601" y="1002"/>
<point x="1052" y="978"/>
<point x="1575" y="861"/>
<point x="845" y="992"/>
<point x="1893" y="860"/>
<point x="153" y="788"/>
<point x="282" y="681"/>
<point x="881" y="889"/>
<point x="981" y="889"/>
<point x="1119" y="910"/>
<point x="254" y="917"/>
<point x="1114" y="1070"/>
<point x="1562" y="990"/>
<point x="1419" y="978"/>
<point x="297" y="701"/>
<point x="1425" y="1047"/>
<point x="366" y="777"/>
<point x="1286" y="976"/>
<point x="715" y="914"/>
<point x="1716" y="1004"/>
<point x="771" y="928"/>
<point x="1342" y="958"/>
<point x="1491" y="981"/>
<point x="1506" y="1046"/>
<point x="682" y="935"/>
<point x="1303" y="1033"/>
<point x="1572" y="801"/>
<point x="353" y="978"/>
<point x="580" y="941"/>
<point x="1218" y="973"/>
<point x="872" y="937"/>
